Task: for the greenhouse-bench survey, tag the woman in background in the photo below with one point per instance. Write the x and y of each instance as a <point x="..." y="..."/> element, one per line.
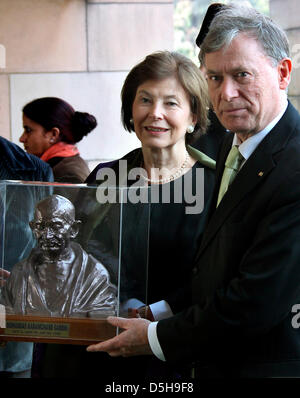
<point x="51" y="129"/>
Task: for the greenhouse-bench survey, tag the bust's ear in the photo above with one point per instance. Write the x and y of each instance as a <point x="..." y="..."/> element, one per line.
<point x="75" y="228"/>
<point x="34" y="229"/>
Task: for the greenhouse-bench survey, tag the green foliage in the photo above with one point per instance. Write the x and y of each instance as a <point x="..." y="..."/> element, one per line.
<point x="188" y="16"/>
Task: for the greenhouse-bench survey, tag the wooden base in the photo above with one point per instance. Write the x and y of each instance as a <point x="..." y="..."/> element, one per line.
<point x="82" y="331"/>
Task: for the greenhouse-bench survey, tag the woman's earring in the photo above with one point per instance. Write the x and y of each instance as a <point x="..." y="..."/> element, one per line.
<point x="52" y="140"/>
<point x="131" y="124"/>
<point x="190" y="129"/>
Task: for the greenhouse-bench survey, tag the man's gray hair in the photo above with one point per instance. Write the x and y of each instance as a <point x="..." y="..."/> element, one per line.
<point x="235" y="19"/>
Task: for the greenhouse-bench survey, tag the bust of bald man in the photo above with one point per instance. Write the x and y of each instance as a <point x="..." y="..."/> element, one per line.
<point x="58" y="278"/>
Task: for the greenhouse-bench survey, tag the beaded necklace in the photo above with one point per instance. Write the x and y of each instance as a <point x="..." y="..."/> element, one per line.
<point x="173" y="176"/>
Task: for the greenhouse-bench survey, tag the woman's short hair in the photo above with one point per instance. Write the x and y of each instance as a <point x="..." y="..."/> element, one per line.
<point x="235" y="19"/>
<point x="52" y="112"/>
<point x="162" y="65"/>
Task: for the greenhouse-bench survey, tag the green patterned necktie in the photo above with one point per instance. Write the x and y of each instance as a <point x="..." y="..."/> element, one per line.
<point x="232" y="166"/>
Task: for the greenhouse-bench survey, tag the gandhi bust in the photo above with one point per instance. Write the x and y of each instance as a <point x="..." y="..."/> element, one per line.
<point x="58" y="278"/>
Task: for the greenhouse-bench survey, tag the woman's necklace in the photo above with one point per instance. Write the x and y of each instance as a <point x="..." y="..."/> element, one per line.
<point x="173" y="176"/>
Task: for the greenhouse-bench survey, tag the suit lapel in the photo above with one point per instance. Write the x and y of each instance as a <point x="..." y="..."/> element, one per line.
<point x="254" y="172"/>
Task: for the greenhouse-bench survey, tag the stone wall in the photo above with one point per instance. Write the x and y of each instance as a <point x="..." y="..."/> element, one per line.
<point x="81" y="51"/>
<point x="286" y="13"/>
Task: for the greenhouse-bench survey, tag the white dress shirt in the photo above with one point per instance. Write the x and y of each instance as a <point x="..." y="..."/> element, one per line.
<point x="246" y="148"/>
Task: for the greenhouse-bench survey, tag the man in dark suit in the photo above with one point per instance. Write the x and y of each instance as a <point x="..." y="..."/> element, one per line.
<point x="247" y="272"/>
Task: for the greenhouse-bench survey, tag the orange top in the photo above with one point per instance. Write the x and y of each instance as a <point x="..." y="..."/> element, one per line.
<point x="60" y="149"/>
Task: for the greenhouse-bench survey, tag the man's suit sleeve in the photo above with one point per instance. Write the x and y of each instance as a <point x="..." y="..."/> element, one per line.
<point x="44" y="171"/>
<point x="48" y="175"/>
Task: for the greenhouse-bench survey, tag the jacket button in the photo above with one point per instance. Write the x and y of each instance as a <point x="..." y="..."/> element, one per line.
<point x="195" y="271"/>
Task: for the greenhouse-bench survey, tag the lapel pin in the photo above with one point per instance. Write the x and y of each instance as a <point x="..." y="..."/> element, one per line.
<point x="261" y="173"/>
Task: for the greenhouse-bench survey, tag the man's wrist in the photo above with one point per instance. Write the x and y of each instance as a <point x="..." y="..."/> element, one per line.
<point x="153" y="341"/>
<point x="160" y="310"/>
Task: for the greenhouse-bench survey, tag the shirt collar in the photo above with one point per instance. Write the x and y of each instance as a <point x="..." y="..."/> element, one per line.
<point x="247" y="147"/>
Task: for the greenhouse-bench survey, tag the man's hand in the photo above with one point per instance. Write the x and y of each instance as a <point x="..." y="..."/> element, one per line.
<point x="132" y="341"/>
<point x="3" y="276"/>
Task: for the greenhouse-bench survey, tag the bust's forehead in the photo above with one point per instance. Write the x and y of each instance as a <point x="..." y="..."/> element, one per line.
<point x="44" y="213"/>
<point x="55" y="207"/>
<point x="54" y="217"/>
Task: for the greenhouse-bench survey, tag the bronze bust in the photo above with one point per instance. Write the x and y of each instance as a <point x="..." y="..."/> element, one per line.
<point x="58" y="278"/>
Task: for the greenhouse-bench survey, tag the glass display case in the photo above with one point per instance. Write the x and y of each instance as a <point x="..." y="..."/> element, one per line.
<point x="71" y="255"/>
